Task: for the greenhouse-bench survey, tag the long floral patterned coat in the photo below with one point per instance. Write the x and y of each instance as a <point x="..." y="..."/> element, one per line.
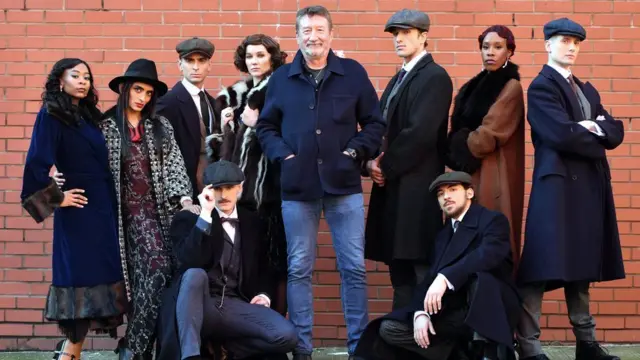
<point x="170" y="179"/>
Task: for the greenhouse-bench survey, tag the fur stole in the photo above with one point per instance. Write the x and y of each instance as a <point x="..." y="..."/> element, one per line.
<point x="471" y="105"/>
<point x="237" y="142"/>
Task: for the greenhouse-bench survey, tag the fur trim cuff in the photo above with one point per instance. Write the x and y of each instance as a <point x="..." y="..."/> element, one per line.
<point x="42" y="203"/>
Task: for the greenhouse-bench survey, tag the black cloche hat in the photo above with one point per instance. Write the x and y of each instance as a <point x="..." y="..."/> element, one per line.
<point x="142" y="70"/>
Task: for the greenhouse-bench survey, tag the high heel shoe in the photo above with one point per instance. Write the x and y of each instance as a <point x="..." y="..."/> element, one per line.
<point x="58" y="351"/>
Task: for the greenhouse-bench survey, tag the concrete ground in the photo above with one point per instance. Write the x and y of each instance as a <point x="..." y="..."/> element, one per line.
<point x="626" y="352"/>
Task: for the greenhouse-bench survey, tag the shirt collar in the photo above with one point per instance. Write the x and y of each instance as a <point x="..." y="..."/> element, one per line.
<point x="192" y="89"/>
<point x="563" y="72"/>
<point x="234" y="214"/>
<point x="459" y="217"/>
<point x="408" y="66"/>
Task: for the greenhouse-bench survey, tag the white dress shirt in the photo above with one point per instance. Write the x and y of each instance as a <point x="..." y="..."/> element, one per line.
<point x="407" y="66"/>
<point x="565" y="73"/>
<point x="194" y="91"/>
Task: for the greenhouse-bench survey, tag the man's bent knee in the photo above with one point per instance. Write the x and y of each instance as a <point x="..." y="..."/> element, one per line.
<point x="391" y="330"/>
<point x="288" y="338"/>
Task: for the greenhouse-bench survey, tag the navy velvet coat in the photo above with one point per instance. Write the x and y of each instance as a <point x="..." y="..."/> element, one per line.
<point x="571" y="232"/>
<point x="85" y="240"/>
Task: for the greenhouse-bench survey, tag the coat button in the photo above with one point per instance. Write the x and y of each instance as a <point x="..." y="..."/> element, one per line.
<point x="312" y="106"/>
<point x="319" y="161"/>
<point x="318" y="131"/>
<point x="575" y="177"/>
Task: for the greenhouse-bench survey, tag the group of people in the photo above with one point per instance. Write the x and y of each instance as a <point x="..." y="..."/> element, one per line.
<point x="197" y="216"/>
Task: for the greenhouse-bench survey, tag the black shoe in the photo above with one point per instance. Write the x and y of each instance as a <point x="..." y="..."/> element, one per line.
<point x="591" y="350"/>
<point x="301" y="357"/>
<point x="537" y="357"/>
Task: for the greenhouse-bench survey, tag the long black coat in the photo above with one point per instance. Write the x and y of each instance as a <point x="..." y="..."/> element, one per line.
<point x="194" y="249"/>
<point x="571" y="233"/>
<point x="404" y="218"/>
<point x="178" y="107"/>
<point x="481" y="249"/>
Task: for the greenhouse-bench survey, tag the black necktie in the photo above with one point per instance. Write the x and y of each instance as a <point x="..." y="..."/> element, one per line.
<point x="455" y="225"/>
<point x="401" y="75"/>
<point x="204" y="109"/>
<point x="232" y="221"/>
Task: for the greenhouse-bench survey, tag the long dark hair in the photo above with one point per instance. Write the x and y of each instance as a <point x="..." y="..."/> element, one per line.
<point x="60" y="104"/>
<point x="119" y="112"/>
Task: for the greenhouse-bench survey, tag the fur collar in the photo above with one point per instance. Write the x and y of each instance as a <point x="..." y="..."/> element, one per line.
<point x="476" y="96"/>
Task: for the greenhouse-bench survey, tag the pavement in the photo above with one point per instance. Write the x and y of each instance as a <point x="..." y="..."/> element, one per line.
<point x="625" y="352"/>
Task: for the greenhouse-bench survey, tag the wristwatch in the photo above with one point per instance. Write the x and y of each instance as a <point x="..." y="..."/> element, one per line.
<point x="352" y="153"/>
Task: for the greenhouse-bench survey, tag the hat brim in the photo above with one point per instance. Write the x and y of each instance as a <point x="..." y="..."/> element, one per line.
<point x="209" y="56"/>
<point x="390" y="27"/>
<point x="160" y="87"/>
<point x="226" y="183"/>
<point x="435" y="186"/>
<point x="568" y="33"/>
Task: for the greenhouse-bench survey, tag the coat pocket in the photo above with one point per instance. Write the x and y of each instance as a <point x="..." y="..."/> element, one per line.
<point x="344" y="108"/>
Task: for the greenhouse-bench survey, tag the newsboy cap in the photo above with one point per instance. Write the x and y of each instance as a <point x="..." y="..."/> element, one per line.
<point x="408" y="19"/>
<point x="564" y="26"/>
<point x="195" y="45"/>
<point x="450" y="178"/>
<point x="222" y="172"/>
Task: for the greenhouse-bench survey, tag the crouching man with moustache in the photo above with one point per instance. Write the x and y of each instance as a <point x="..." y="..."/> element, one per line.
<point x="220" y="293"/>
<point x="468" y="304"/>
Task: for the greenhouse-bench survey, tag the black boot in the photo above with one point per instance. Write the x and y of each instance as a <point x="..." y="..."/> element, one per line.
<point x="124" y="353"/>
<point x="591" y="350"/>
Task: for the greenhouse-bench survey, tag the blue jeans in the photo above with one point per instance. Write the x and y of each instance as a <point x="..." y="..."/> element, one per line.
<point x="345" y="216"/>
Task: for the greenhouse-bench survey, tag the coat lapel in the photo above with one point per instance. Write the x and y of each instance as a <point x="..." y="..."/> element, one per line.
<point x="462" y="238"/>
<point x="247" y="248"/>
<point x="426" y="59"/>
<point x="576" y="112"/>
<point x="189" y="112"/>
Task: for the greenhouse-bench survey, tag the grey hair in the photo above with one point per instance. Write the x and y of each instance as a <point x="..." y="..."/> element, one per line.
<point x="316" y="10"/>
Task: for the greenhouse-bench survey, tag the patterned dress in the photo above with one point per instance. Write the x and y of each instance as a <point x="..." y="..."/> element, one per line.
<point x="145" y="244"/>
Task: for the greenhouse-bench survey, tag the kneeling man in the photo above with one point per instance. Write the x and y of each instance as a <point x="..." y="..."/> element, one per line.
<point x="222" y="292"/>
<point x="468" y="298"/>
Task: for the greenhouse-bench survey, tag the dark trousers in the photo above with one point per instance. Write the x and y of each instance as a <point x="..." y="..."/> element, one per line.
<point x="400" y="334"/>
<point x="577" y="299"/>
<point x="405" y="276"/>
<point x="245" y="329"/>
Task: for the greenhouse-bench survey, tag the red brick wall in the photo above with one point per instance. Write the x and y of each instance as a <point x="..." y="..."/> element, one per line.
<point x="111" y="33"/>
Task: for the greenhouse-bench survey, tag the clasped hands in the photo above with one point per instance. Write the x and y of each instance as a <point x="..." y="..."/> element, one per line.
<point x="373" y="167"/>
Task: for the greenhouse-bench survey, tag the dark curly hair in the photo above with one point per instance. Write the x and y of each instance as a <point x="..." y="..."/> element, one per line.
<point x="278" y="57"/>
<point x="60" y="104"/>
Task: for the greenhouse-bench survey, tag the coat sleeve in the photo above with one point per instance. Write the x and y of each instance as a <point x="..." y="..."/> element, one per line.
<point x="191" y="248"/>
<point x="551" y="123"/>
<point x="500" y="122"/>
<point x="612" y="128"/>
<point x="372" y="127"/>
<point x="428" y="111"/>
<point x="176" y="181"/>
<point x="40" y="194"/>
<point x="494" y="248"/>
<point x="269" y="125"/>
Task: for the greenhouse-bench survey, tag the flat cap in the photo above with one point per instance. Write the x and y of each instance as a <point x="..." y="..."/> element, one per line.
<point x="408" y="19"/>
<point x="564" y="26"/>
<point x="450" y="178"/>
<point x="195" y="45"/>
<point x="222" y="172"/>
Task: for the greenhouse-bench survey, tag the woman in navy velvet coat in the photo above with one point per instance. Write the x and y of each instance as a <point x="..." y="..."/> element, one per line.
<point x="88" y="290"/>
